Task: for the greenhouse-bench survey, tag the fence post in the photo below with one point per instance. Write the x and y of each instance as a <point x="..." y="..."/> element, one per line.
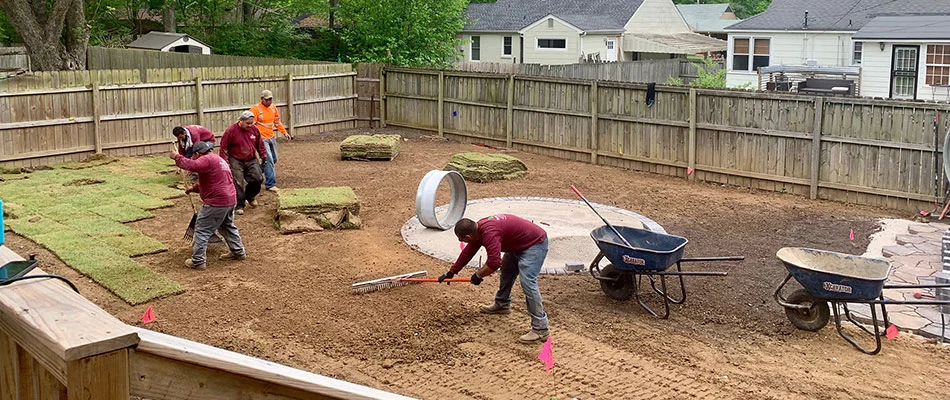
<point x="691" y="161"/>
<point x="382" y="97"/>
<point x="290" y="106"/>
<point x="816" y="146"/>
<point x="199" y="101"/>
<point x="509" y="112"/>
<point x="103" y="376"/>
<point x="96" y="110"/>
<point x="593" y="122"/>
<point x="441" y="113"/>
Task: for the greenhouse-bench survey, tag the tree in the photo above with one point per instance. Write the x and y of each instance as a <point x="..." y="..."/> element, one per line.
<point x="743" y="8"/>
<point x="401" y="32"/>
<point x="54" y="31"/>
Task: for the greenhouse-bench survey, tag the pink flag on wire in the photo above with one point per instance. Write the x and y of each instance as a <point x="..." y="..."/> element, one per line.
<point x="891" y="332"/>
<point x="547" y="356"/>
<point x="851" y="235"/>
<point x="461" y="245"/>
<point x="149" y="315"/>
<point x="689" y="170"/>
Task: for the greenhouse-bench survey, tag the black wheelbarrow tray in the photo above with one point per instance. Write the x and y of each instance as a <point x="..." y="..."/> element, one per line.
<point x="839" y="279"/>
<point x="650" y="254"/>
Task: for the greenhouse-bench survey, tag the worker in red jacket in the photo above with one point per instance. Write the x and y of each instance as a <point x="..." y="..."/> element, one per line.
<point x="525" y="246"/>
<point x="188" y="135"/>
<point x="241" y="144"/>
<point x="216" y="188"/>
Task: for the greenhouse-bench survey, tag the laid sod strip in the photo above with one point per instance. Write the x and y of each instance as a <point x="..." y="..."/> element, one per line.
<point x="77" y="211"/>
<point x="120" y="212"/>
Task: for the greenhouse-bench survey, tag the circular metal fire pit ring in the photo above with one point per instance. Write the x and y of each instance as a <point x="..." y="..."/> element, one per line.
<point x="425" y="199"/>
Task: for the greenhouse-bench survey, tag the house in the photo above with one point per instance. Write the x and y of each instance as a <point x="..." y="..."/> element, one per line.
<point x="897" y="46"/>
<point x="171" y="42"/>
<point x="708" y="19"/>
<point x="553" y="32"/>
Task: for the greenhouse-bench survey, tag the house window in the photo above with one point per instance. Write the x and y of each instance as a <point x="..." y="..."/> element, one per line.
<point x="755" y="50"/>
<point x="476" y="48"/>
<point x="506" y="46"/>
<point x="938" y="64"/>
<point x="858" y="53"/>
<point x="552" y="43"/>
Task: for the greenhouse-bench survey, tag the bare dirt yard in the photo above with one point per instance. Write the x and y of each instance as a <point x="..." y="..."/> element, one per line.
<point x="290" y="301"/>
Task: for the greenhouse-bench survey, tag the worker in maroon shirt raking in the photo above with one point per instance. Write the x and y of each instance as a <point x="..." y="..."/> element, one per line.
<point x="188" y="135"/>
<point x="216" y="188"/>
<point x="240" y="146"/>
<point x="525" y="246"/>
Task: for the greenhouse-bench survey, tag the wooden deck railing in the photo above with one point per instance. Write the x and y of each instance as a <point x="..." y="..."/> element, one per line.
<point x="57" y="345"/>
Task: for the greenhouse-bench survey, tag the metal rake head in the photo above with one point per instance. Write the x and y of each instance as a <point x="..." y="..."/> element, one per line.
<point x="385" y="283"/>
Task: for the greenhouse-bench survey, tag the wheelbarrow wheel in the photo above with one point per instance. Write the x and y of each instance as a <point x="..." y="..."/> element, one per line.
<point x="622" y="288"/>
<point x="811" y="319"/>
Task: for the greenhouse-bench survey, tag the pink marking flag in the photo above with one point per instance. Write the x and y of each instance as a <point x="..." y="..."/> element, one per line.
<point x="461" y="245"/>
<point x="149" y="315"/>
<point x="891" y="331"/>
<point x="689" y="170"/>
<point x="547" y="356"/>
<point x="851" y="235"/>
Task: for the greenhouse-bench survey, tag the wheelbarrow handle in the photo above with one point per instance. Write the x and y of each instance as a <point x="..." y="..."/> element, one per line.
<point x="728" y="258"/>
<point x="616" y="232"/>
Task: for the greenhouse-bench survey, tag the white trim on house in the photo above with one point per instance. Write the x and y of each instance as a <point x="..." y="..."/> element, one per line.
<point x="471" y="48"/>
<point x="741" y="31"/>
<point x="512" y="45"/>
<point x="545" y="19"/>
<point x="731" y="53"/>
<point x="539" y="48"/>
<point x="854" y="43"/>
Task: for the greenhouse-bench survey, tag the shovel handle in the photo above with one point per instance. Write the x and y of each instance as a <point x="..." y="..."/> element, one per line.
<point x="616" y="232"/>
<point x="434" y="280"/>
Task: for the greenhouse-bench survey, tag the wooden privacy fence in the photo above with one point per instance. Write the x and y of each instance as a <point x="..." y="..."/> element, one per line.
<point x="56" y="345"/>
<point x="629" y="71"/>
<point x="872" y="152"/>
<point x="111" y="58"/>
<point x="66" y="116"/>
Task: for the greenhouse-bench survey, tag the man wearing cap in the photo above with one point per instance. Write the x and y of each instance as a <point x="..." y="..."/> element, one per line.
<point x="266" y="118"/>
<point x="216" y="188"/>
<point x="188" y="135"/>
<point x="525" y="246"/>
<point x="240" y="146"/>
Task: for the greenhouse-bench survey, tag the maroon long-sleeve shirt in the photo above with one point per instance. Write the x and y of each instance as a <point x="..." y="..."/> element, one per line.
<point x="241" y="143"/>
<point x="500" y="233"/>
<point x="197" y="133"/>
<point x="215" y="182"/>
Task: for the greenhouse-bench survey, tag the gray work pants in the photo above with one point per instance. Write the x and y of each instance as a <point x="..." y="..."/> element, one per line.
<point x="210" y="219"/>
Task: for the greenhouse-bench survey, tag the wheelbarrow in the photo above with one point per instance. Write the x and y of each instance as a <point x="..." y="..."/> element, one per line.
<point x="840" y="279"/>
<point x="645" y="254"/>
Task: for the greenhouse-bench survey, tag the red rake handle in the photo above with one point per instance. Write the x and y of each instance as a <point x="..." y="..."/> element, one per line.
<point x="578" y="192"/>
<point x="434" y="280"/>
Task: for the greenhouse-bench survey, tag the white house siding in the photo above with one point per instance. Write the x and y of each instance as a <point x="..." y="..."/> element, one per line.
<point x="875" y="70"/>
<point x="828" y="49"/>
<point x="657" y="16"/>
<point x="491" y="47"/>
<point x="533" y="55"/>
<point x="593" y="44"/>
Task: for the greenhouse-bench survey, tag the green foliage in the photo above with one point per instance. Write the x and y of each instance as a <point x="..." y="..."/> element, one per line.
<point x="402" y="32"/>
<point x="709" y="74"/>
<point x="743" y="8"/>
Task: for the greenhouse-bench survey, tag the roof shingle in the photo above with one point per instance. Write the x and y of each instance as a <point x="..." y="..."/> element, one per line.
<point x="835" y="15"/>
<point x="513" y="15"/>
<point x="706" y="17"/>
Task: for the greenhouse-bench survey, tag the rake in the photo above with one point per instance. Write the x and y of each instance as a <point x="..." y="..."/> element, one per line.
<point x="398" y="280"/>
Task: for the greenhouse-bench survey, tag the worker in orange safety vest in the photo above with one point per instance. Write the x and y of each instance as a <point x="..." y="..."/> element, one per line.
<point x="267" y="119"/>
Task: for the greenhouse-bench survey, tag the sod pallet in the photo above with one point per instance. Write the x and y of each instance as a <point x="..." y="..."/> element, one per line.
<point x="370" y="147"/>
<point x="315" y="209"/>
<point x="481" y="167"/>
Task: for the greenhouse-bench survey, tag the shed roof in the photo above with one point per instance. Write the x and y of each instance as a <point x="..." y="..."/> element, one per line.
<point x="923" y="27"/>
<point x="514" y="15"/>
<point x="706" y="17"/>
<point x="835" y="15"/>
<point x="158" y="40"/>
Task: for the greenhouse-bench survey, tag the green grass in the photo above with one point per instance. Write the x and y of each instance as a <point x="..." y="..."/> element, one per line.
<point x="292" y="198"/>
<point x="83" y="223"/>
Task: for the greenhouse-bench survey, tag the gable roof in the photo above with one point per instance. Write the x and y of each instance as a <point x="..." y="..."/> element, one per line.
<point x="706" y="17"/>
<point x="155" y="40"/>
<point x="514" y="15"/>
<point x="930" y="27"/>
<point x="835" y="15"/>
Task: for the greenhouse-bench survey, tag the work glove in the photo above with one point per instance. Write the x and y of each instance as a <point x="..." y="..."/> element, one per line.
<point x="475" y="279"/>
<point x="447" y="275"/>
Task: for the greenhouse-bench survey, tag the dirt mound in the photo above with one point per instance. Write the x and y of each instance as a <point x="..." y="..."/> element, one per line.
<point x="481" y="167"/>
